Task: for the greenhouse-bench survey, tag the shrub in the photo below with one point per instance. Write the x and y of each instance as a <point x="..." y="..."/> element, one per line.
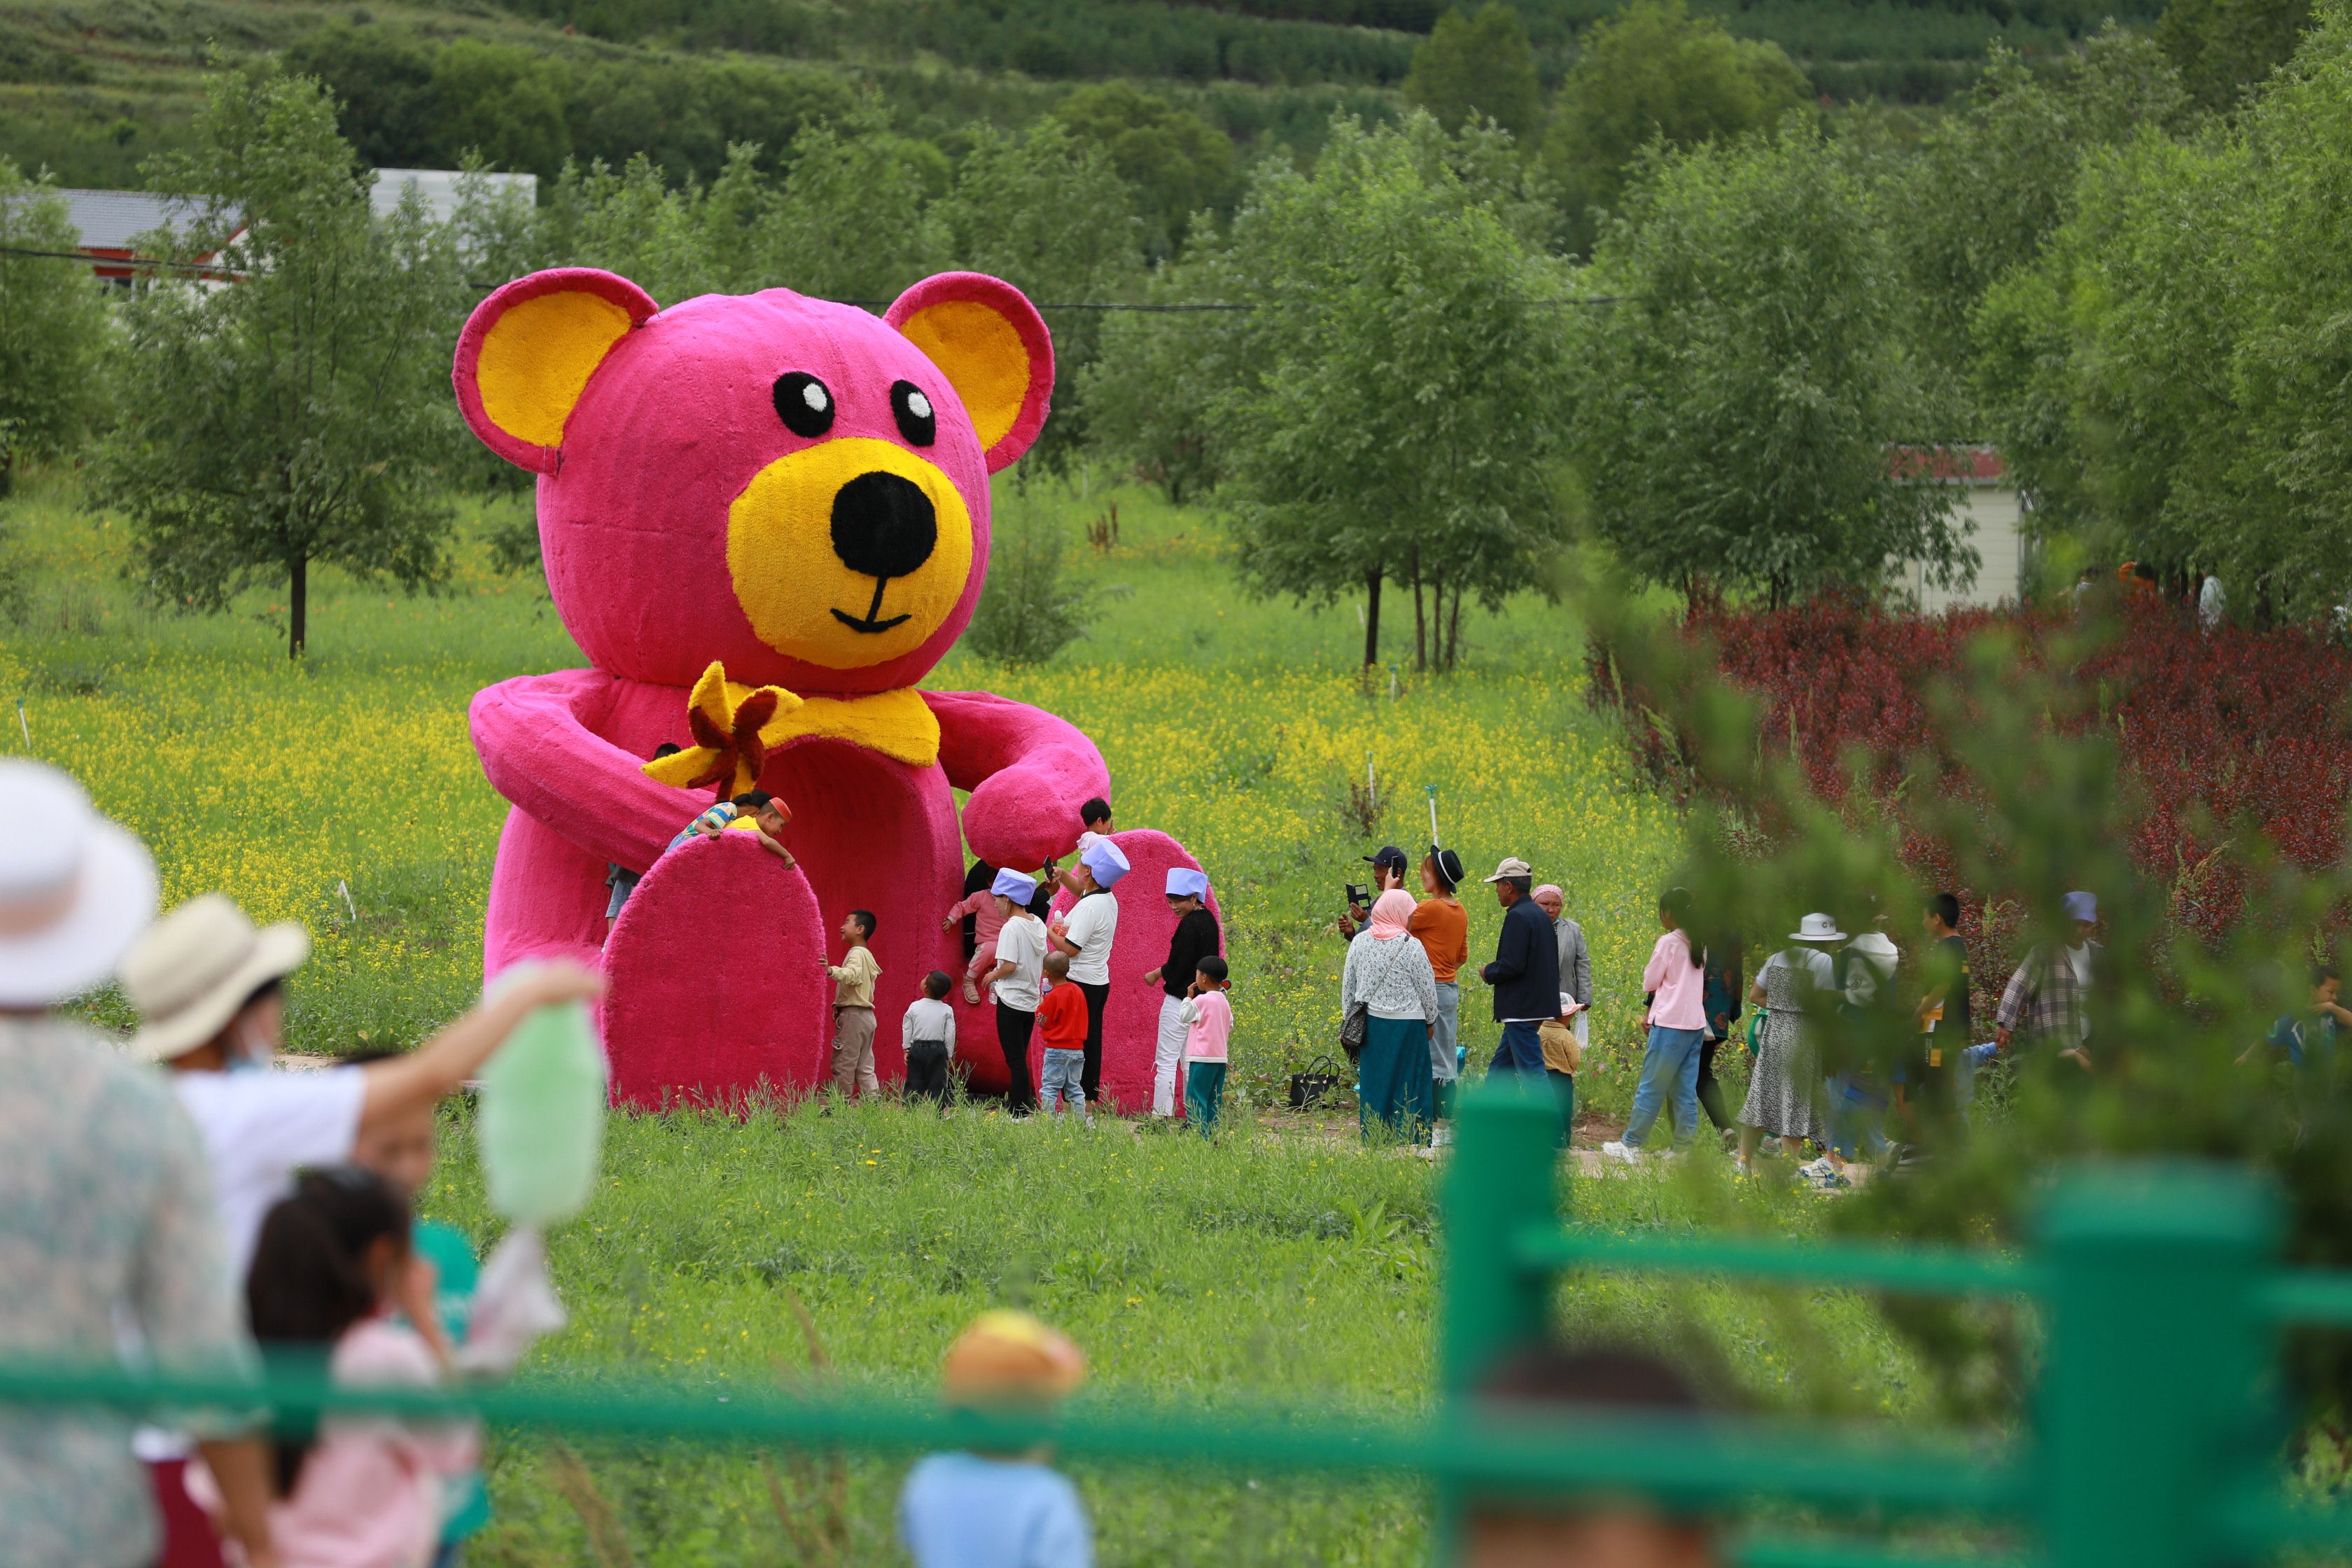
<point x="1027" y="614"/>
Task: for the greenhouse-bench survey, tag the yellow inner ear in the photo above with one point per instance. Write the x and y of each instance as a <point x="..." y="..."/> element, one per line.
<point x="538" y="357"/>
<point x="982" y="355"/>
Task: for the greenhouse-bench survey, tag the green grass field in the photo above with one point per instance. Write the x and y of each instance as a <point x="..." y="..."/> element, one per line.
<point x="1285" y="1261"/>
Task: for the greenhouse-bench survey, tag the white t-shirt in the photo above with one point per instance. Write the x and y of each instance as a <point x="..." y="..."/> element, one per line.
<point x="1021" y="943"/>
<point x="1093" y="923"/>
<point x="930" y="1020"/>
<point x="259" y="1129"/>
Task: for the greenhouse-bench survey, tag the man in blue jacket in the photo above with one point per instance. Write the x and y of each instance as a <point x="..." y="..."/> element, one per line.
<point x="1525" y="975"/>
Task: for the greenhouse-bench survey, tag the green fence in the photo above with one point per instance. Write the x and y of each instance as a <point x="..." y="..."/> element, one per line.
<point x="2154" y="1440"/>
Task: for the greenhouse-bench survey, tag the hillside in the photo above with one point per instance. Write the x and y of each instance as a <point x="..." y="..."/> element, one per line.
<point x="88" y="88"/>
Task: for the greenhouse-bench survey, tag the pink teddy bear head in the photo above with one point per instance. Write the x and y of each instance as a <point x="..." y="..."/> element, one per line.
<point x="795" y="487"/>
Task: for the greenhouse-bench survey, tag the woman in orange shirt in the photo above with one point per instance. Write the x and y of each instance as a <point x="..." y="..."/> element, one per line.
<point x="1441" y="926"/>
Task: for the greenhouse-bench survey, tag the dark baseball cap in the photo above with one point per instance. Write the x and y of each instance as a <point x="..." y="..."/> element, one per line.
<point x="1389" y="858"/>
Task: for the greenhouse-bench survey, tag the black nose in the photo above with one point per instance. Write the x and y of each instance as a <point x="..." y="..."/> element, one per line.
<point x="883" y="525"/>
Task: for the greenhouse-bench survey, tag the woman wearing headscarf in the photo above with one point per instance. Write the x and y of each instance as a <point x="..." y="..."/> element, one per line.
<point x="1784" y="1087"/>
<point x="1389" y="973"/>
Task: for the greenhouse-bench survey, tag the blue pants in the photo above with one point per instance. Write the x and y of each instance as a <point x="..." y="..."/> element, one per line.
<point x="1520" y="1051"/>
<point x="1669" y="1067"/>
<point x="1065" y="1080"/>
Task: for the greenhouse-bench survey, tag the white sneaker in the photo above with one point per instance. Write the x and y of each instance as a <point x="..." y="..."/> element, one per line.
<point x="1744" y="1170"/>
<point x="1440" y="1136"/>
<point x="1623" y="1154"/>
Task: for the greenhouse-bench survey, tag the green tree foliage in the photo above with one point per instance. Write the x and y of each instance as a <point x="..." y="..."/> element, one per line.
<point x="1740" y="398"/>
<point x="1990" y="182"/>
<point x="1151" y="394"/>
<point x="1026" y="613"/>
<point x="1399" y="402"/>
<point x="1655" y="73"/>
<point x="1178" y="163"/>
<point x="294" y="416"/>
<point x="2172" y="380"/>
<point x="1045" y="211"/>
<point x="849" y="222"/>
<point x="1479" y="66"/>
<point x="2221" y="48"/>
<point x="54" y="330"/>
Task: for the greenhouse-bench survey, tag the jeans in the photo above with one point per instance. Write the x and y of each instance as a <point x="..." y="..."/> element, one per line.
<point x="1669" y="1067"/>
<point x="1521" y="1050"/>
<point x="1444" y="1031"/>
<point x="1065" y="1074"/>
<point x="1012" y="1028"/>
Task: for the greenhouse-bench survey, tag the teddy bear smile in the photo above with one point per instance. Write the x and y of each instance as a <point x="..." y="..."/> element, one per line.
<point x="883" y="526"/>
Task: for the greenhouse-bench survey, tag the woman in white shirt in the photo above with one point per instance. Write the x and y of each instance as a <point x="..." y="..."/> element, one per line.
<point x="1389" y="974"/>
<point x="1017" y="980"/>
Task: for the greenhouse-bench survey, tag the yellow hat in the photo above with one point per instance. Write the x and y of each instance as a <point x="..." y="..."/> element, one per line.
<point x="1010" y="1358"/>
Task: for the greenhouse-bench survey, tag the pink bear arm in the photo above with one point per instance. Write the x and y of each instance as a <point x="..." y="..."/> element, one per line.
<point x="534" y="733"/>
<point x="1028" y="772"/>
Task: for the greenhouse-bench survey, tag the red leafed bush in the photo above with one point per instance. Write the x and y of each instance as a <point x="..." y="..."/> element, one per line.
<point x="2232" y="726"/>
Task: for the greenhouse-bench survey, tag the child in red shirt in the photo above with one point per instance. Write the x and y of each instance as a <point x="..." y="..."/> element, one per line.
<point x="1062" y="1020"/>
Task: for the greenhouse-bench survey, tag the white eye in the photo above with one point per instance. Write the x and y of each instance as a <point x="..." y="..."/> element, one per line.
<point x="919" y="406"/>
<point x="814" y="395"/>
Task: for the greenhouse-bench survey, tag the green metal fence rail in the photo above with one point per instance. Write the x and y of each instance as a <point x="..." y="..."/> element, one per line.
<point x="2153" y="1440"/>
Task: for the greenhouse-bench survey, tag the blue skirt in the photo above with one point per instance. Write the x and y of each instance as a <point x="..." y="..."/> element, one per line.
<point x="1394" y="1081"/>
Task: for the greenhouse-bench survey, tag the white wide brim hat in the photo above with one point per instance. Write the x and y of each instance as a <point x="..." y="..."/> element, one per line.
<point x="76" y="890"/>
<point x="199" y="964"/>
<point x="1817" y="928"/>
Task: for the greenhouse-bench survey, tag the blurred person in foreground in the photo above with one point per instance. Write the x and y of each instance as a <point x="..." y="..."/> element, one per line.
<point x="107" y="1224"/>
<point x="1603" y="1530"/>
<point x="978" y="1510"/>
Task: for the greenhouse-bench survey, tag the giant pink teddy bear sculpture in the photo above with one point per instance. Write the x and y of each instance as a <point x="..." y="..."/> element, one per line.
<point x="796" y="492"/>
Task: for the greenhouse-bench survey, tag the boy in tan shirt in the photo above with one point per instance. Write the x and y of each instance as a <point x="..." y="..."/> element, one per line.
<point x="853" y="1008"/>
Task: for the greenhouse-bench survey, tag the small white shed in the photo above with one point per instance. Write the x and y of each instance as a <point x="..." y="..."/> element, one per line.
<point x="1989" y="509"/>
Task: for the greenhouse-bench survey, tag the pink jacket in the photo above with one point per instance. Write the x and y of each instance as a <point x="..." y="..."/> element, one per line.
<point x="987" y="924"/>
<point x="1678" y="985"/>
<point x="1208" y="1026"/>
<point x="370" y="1493"/>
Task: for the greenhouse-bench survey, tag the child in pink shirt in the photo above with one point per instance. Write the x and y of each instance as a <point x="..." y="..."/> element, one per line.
<point x="362" y="1491"/>
<point x="987" y="925"/>
<point x="1208" y="1020"/>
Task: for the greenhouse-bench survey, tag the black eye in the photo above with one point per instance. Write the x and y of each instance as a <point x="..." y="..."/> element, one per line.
<point x="804" y="406"/>
<point x="917" y="423"/>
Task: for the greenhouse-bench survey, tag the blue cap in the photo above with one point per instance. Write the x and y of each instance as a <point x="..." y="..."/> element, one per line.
<point x="1106" y="860"/>
<point x="2081" y="907"/>
<point x="1187" y="884"/>
<point x="1018" y="886"/>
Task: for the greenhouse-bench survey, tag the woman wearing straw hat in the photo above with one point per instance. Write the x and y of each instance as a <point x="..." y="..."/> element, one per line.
<point x="106" y="1211"/>
<point x="210" y="989"/>
<point x="1783" y="1086"/>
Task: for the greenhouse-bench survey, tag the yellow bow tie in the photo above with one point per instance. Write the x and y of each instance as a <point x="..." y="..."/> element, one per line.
<point x="735" y="727"/>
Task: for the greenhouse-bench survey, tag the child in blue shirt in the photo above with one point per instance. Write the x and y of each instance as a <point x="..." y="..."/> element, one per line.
<point x="2308" y="1039"/>
<point x="1000" y="1510"/>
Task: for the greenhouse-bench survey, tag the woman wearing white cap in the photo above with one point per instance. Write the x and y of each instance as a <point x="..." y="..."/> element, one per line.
<point x="1195" y="939"/>
<point x="1085" y="934"/>
<point x="1783" y="1088"/>
<point x="1017" y="982"/>
<point x="106" y="1211"/>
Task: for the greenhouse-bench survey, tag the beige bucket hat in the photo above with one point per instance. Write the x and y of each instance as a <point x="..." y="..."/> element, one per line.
<point x="195" y="967"/>
<point x="76" y="890"/>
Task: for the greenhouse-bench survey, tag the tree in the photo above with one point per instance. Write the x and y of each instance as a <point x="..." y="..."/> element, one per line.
<point x="2221" y="48"/>
<point x="1178" y="163"/>
<point x="54" y="330"/>
<point x="1026" y="613"/>
<point x="1480" y="66"/>
<point x="848" y="223"/>
<point x="1742" y="397"/>
<point x="1045" y="211"/>
<point x="1151" y="394"/>
<point x="295" y="416"/>
<point x="1655" y="73"/>
<point x="1397" y="408"/>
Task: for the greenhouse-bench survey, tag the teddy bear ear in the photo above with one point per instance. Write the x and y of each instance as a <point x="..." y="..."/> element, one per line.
<point x="527" y="353"/>
<point x="991" y="343"/>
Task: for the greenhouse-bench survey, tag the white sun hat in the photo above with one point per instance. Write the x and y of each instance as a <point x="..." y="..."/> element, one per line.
<point x="197" y="965"/>
<point x="76" y="890"/>
<point x="1817" y="928"/>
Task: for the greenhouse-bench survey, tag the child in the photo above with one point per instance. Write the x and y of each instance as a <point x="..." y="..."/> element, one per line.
<point x="1533" y="1531"/>
<point x="928" y="1033"/>
<point x="619" y="877"/>
<point x="357" y="1490"/>
<point x="2307" y="1039"/>
<point x="754" y="811"/>
<point x="1208" y="1026"/>
<point x="979" y="1510"/>
<point x="988" y="924"/>
<point x="1094" y="824"/>
<point x="1062" y="1020"/>
<point x="853" y="1008"/>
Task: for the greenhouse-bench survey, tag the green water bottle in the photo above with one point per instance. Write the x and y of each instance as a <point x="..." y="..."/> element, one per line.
<point x="542" y="1124"/>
